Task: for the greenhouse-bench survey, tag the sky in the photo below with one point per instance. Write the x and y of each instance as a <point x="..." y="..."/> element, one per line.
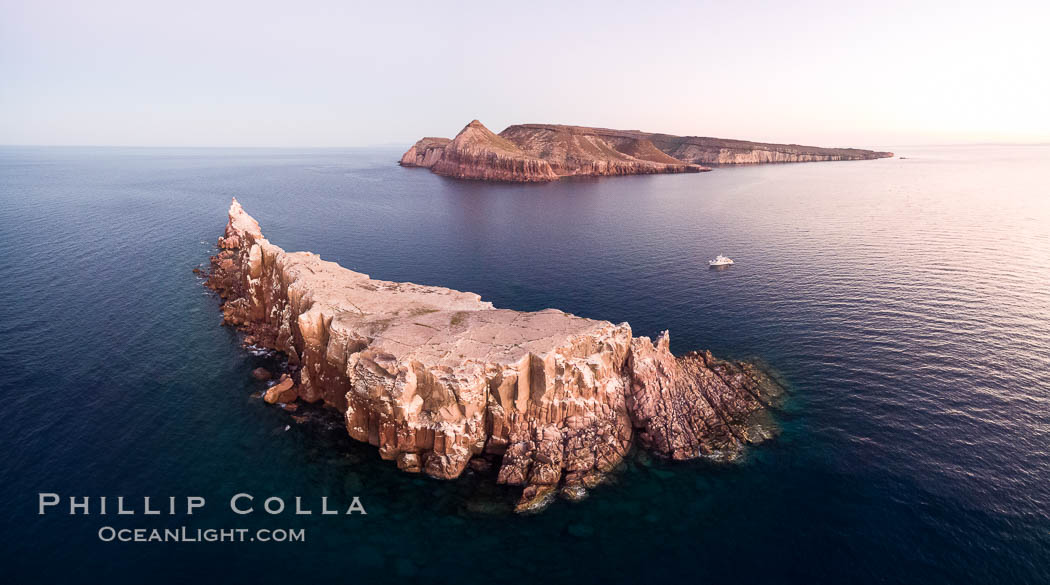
<point x="347" y="73"/>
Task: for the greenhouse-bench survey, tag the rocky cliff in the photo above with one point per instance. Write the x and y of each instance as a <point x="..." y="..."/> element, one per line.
<point x="438" y="379"/>
<point x="425" y="153"/>
<point x="477" y="153"/>
<point x="692" y="149"/>
<point x="721" y="151"/>
<point x="575" y="153"/>
<point x="520" y="151"/>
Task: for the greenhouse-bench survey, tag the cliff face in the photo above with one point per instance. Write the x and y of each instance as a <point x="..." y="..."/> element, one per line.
<point x="530" y="157"/>
<point x="571" y="153"/>
<point x="477" y="153"/>
<point x="701" y="150"/>
<point x="544" y="152"/>
<point x="425" y="153"/>
<point x="726" y="152"/>
<point x="436" y="378"/>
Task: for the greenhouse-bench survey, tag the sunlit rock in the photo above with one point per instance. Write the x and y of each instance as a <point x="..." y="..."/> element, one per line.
<point x="436" y="378"/>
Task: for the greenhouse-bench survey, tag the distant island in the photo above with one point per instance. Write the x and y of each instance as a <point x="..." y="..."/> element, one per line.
<point x="533" y="153"/>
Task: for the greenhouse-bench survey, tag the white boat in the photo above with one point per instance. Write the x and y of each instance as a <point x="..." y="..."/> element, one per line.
<point x="720" y="261"/>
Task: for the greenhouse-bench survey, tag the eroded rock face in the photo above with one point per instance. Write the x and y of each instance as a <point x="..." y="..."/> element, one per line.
<point x="477" y="153"/>
<point x="576" y="153"/>
<point x="696" y="404"/>
<point x="436" y="378"/>
<point x="425" y="153"/>
<point x="544" y="152"/>
<point x="695" y="149"/>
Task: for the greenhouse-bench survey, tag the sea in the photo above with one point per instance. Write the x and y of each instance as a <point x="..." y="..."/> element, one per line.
<point x="904" y="303"/>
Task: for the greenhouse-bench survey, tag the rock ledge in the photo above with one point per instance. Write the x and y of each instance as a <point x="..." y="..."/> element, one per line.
<point x="436" y="378"/>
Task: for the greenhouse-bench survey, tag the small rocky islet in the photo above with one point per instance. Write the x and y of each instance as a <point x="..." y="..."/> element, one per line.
<point x="537" y="153"/>
<point x="442" y="381"/>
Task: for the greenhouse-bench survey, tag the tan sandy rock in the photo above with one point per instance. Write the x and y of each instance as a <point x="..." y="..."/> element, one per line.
<point x="436" y="377"/>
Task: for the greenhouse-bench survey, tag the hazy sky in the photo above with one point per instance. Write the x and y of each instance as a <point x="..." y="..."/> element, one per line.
<point x="344" y="73"/>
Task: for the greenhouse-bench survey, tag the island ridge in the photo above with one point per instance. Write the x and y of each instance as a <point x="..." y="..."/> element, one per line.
<point x="535" y="153"/>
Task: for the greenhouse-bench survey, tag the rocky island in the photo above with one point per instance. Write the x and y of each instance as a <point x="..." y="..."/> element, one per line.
<point x="440" y="380"/>
<point x="531" y="153"/>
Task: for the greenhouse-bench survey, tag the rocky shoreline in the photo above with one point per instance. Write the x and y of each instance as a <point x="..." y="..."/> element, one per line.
<point x="536" y="153"/>
<point x="440" y="380"/>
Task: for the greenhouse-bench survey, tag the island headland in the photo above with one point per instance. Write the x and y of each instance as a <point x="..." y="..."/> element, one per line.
<point x="440" y="380"/>
<point x="534" y="153"/>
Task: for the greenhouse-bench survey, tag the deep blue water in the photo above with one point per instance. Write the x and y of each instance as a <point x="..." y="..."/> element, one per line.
<point x="906" y="303"/>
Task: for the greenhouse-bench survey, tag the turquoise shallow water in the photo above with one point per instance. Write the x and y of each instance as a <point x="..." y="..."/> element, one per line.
<point x="906" y="302"/>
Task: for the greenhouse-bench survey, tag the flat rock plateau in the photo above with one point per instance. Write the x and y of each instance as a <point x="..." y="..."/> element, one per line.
<point x="440" y="380"/>
<point x="532" y="153"/>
